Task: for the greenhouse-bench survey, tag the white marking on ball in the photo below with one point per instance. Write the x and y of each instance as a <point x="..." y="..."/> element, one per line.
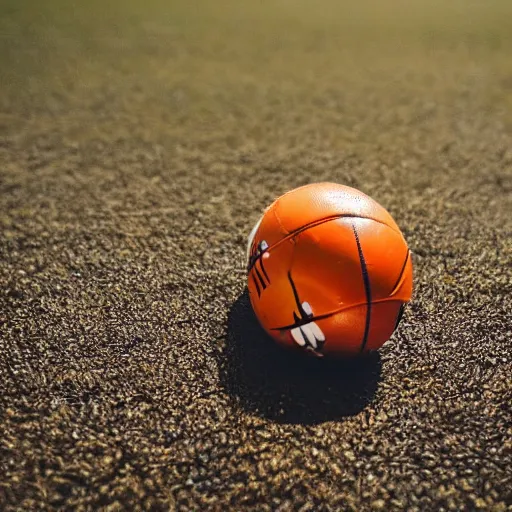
<point x="298" y="336"/>
<point x="251" y="236"/>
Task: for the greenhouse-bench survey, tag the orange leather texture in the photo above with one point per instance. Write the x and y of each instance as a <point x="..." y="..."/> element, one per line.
<point x="328" y="270"/>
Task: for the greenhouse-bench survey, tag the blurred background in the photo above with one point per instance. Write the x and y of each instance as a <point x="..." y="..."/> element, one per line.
<point x="370" y="85"/>
<point x="234" y="74"/>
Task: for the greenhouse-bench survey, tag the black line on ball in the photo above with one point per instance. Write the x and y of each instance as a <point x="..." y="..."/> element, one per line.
<point x="263" y="269"/>
<point x="303" y="314"/>
<point x="257" y="286"/>
<point x="262" y="281"/>
<point x="295" y="293"/>
<point x="304" y="318"/>
<point x="401" y="271"/>
<point x="330" y="218"/>
<point x="292" y="234"/>
<point x="367" y="289"/>
<point x="302" y="321"/>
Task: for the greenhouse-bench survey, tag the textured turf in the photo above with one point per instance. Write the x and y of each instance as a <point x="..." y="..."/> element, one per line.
<point x="139" y="143"/>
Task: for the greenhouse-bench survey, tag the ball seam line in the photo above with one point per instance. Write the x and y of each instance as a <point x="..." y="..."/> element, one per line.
<point x="400" y="276"/>
<point x="367" y="289"/>
<point x="318" y="223"/>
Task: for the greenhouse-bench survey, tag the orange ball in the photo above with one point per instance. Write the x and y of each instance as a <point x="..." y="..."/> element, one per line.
<point x="329" y="271"/>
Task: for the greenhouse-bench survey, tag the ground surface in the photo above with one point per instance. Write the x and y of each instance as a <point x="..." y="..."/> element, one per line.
<point x="139" y="142"/>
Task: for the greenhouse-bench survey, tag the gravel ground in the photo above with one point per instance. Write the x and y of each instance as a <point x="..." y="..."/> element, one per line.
<point x="139" y="142"/>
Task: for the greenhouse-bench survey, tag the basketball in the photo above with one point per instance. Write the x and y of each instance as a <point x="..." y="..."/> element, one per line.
<point x="329" y="271"/>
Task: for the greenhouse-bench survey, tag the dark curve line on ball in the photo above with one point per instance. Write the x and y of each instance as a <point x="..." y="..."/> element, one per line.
<point x="254" y="258"/>
<point x="251" y="262"/>
<point x="401" y="271"/>
<point x="296" y="296"/>
<point x="330" y="218"/>
<point x="304" y="318"/>
<point x="302" y="321"/>
<point x="257" y="286"/>
<point x="263" y="269"/>
<point x="260" y="278"/>
<point x="367" y="289"/>
<point x="292" y="234"/>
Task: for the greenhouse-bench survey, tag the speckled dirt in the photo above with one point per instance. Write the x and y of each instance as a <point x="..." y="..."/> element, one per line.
<point x="139" y="142"/>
